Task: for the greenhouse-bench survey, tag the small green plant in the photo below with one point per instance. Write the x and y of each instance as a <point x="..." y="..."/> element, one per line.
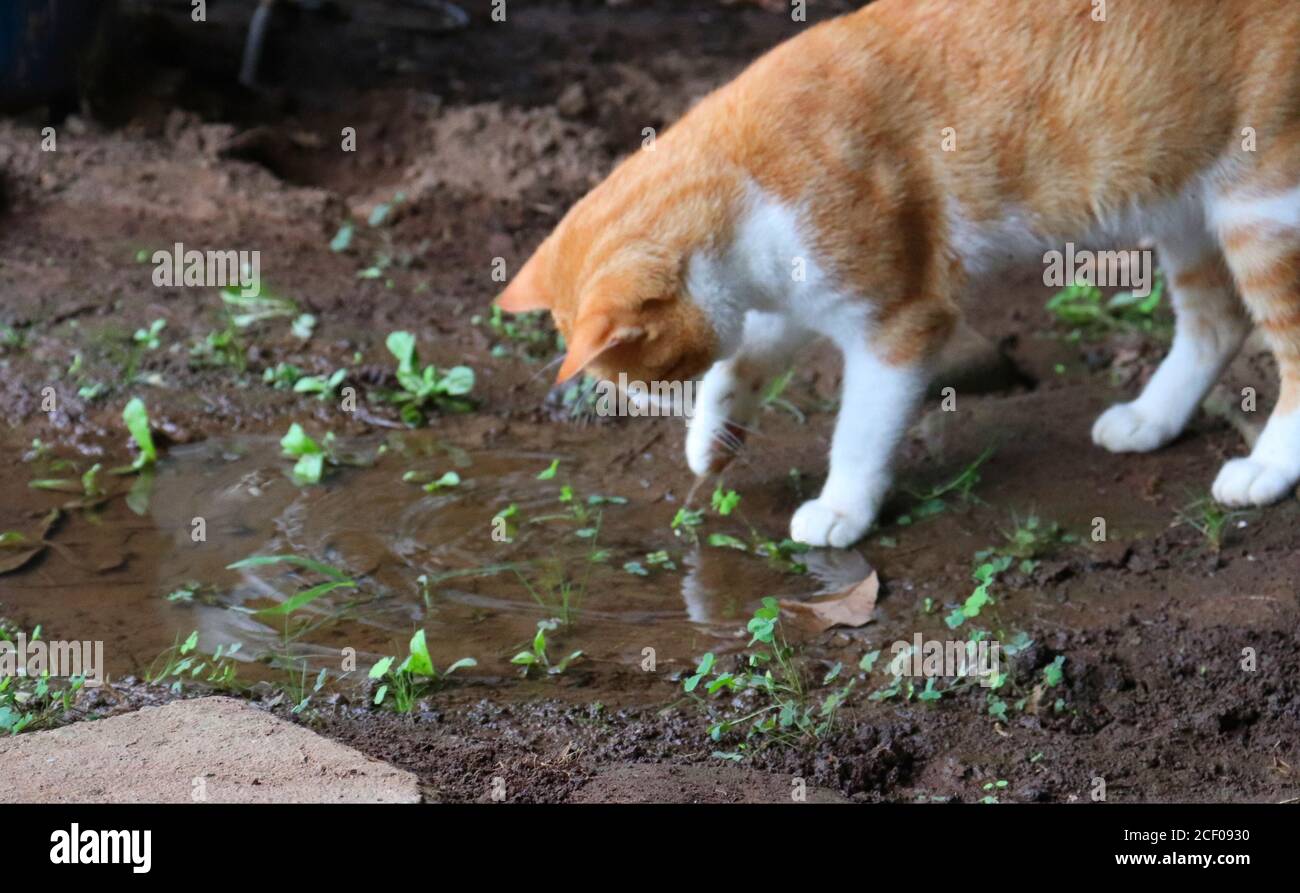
<point x="334" y="579"/>
<point x="281" y="376"/>
<point x="1208" y="518"/>
<point x="991" y="788"/>
<point x="788" y="711"/>
<point x="556" y="592"/>
<point x="342" y="240"/>
<point x="220" y="347"/>
<point x="312" y="456"/>
<point x="527" y="335"/>
<point x="296" y="687"/>
<point x="536" y="656"/>
<point x="182" y="662"/>
<point x="686" y="523"/>
<point x="32" y="702"/>
<point x="288" y="376"/>
<point x="323" y="386"/>
<point x="773" y="396"/>
<point x="149" y="338"/>
<point x="246" y="311"/>
<point x="304" y="324"/>
<point x="136" y="416"/>
<point x="724" y="502"/>
<point x="1031" y="538"/>
<point x="419" y="389"/>
<point x="1088" y="312"/>
<point x="935" y="500"/>
<point x="91" y="486"/>
<point x="430" y="484"/>
<point x="414" y="677"/>
<point x="985" y="574"/>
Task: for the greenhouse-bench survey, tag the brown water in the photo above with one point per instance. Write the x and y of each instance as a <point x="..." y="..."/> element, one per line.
<point x="112" y="570"/>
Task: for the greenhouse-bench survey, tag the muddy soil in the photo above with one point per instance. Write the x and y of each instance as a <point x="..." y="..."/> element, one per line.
<point x="488" y="133"/>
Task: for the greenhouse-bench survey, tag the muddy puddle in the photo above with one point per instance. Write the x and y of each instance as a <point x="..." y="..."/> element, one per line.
<point x="475" y="564"/>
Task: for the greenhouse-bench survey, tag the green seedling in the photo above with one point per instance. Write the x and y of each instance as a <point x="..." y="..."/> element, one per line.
<point x="505" y="523"/>
<point x="248" y="310"/>
<point x="537" y="658"/>
<point x="282" y="376"/>
<point x="297" y="687"/>
<point x="526" y="335"/>
<point x="660" y="559"/>
<point x="985" y="575"/>
<point x="448" y="479"/>
<point x="182" y="662"/>
<point x="324" y="387"/>
<point x="789" y="712"/>
<point x="773" y="396"/>
<point x="935" y="500"/>
<point x="724" y="502"/>
<point x="686" y="523"/>
<point x="1208" y="518"/>
<point x="556" y="593"/>
<point x="419" y="389"/>
<point x="221" y="347"/>
<point x="136" y="417"/>
<point x="148" y="338"/>
<point x="342" y="239"/>
<point x="414" y="677"/>
<point x="1032" y="538"/>
<point x="991" y="788"/>
<point x="1088" y="312"/>
<point x="304" y="324"/>
<point x="335" y="579"/>
<point x="579" y="399"/>
<point x="32" y="702"/>
<point x="312" y="456"/>
<point x="379" y="214"/>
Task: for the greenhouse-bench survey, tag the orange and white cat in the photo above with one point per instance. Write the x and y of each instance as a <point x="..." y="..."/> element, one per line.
<point x="855" y="181"/>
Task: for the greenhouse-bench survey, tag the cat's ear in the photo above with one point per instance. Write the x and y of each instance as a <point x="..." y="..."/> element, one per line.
<point x="592" y="336"/>
<point x="525" y="291"/>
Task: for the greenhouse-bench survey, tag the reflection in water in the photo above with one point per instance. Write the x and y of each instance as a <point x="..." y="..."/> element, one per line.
<point x="714" y="593"/>
<point x="481" y="596"/>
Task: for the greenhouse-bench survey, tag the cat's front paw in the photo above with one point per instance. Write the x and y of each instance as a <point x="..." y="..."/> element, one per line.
<point x="1126" y="429"/>
<point x="1247" y="481"/>
<point x="818" y="524"/>
<point x="711" y="447"/>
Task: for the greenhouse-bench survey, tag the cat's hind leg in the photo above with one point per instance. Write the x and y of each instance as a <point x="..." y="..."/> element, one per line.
<point x="1260" y="232"/>
<point x="732" y="390"/>
<point x="1210" y="326"/>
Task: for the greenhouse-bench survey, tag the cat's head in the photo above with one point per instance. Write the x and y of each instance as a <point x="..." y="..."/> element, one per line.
<point x="614" y="275"/>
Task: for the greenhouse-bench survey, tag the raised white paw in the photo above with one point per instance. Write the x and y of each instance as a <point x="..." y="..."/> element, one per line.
<point x="1126" y="429"/>
<point x="1252" y="482"/>
<point x="817" y="524"/>
<point x="710" y="447"/>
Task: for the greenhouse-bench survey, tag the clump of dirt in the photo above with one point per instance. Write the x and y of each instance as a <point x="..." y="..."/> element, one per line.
<point x="505" y="153"/>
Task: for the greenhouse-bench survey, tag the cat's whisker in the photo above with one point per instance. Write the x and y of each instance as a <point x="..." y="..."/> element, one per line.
<point x="746" y="428"/>
<point x="546" y="368"/>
